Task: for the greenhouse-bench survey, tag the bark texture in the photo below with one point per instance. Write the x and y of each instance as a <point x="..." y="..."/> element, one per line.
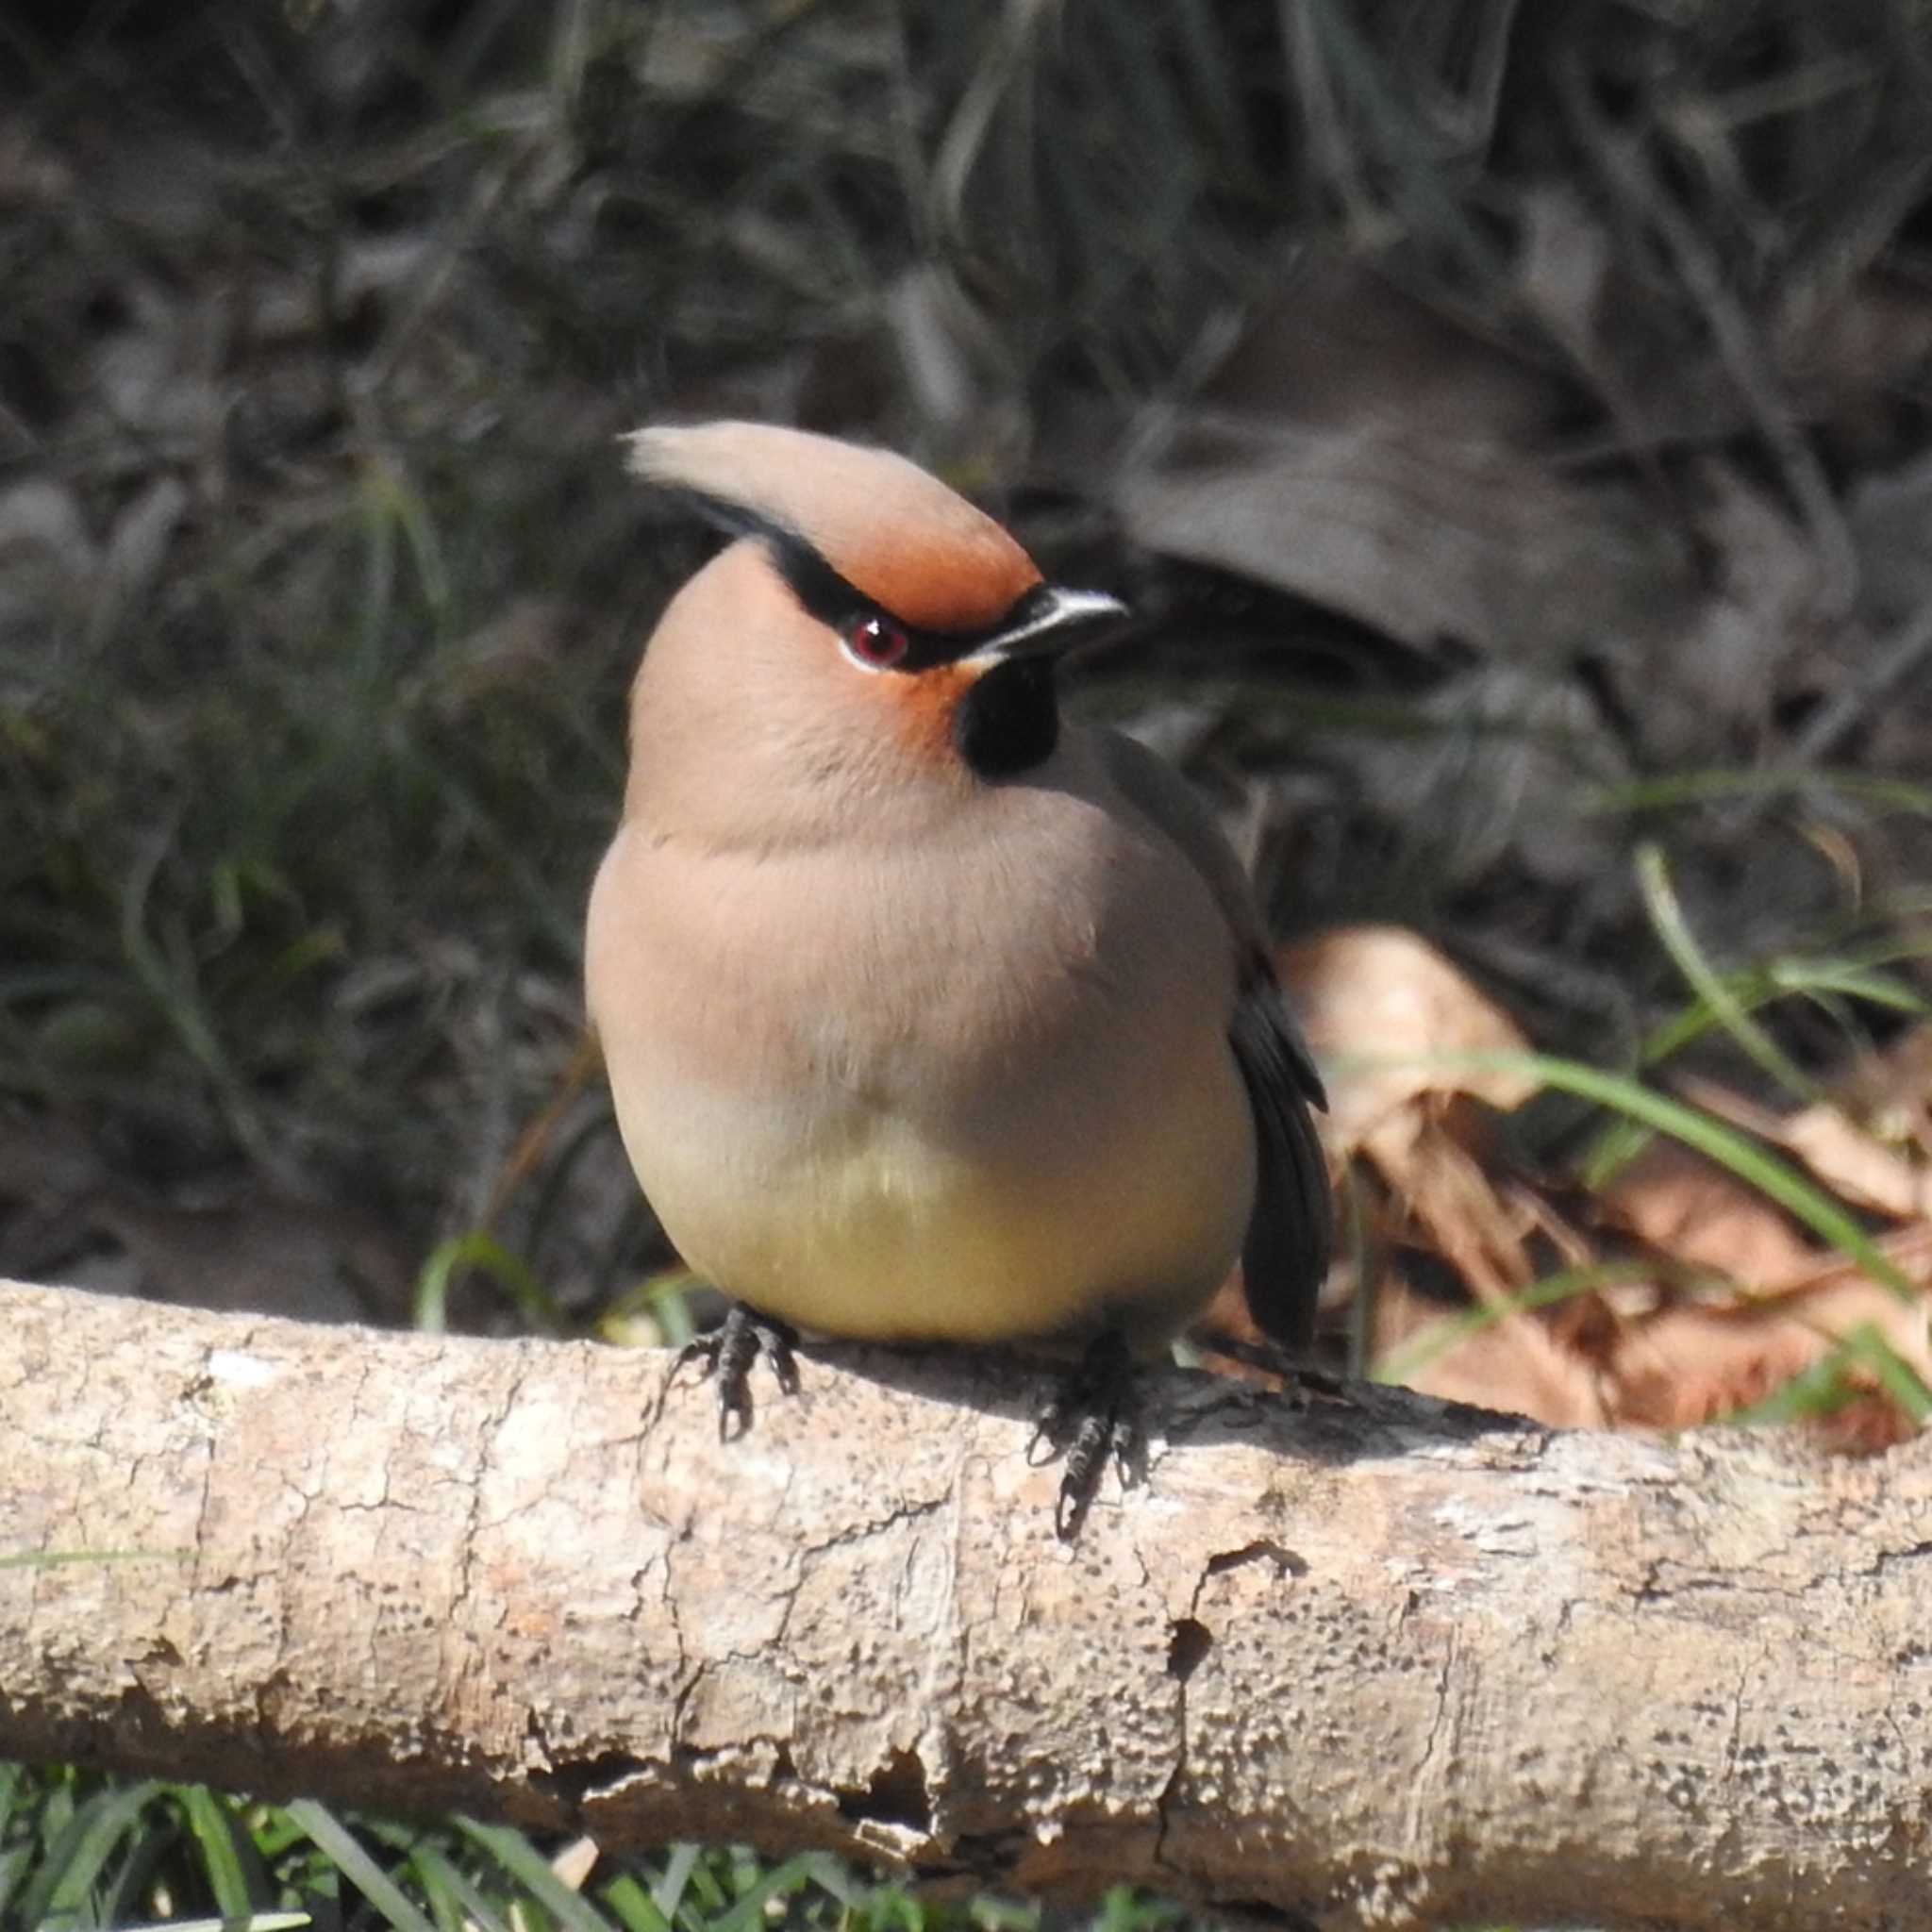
<point x="1370" y="1661"/>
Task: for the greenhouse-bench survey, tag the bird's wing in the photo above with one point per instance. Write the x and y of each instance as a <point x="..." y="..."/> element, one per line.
<point x="1292" y="1229"/>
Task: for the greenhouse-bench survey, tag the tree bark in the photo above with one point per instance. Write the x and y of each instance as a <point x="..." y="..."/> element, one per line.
<point x="1360" y="1662"/>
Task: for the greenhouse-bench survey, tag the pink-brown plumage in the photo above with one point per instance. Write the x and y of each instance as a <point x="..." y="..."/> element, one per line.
<point x="917" y="1031"/>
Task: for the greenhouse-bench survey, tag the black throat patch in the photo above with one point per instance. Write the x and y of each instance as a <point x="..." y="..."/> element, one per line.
<point x="1009" y="721"/>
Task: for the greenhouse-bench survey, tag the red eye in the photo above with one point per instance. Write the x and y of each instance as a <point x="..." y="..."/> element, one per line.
<point x="877" y="642"/>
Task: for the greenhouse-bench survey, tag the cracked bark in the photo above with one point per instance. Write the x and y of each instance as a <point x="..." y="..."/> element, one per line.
<point x="1369" y="1662"/>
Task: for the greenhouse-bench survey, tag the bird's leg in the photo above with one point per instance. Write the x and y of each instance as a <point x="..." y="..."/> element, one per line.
<point x="1090" y="1415"/>
<point x="727" y="1353"/>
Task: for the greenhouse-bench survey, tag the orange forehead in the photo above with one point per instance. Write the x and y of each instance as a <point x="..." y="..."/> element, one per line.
<point x="959" y="579"/>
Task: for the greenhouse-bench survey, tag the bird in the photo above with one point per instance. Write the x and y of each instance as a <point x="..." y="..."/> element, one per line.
<point x="930" y="1015"/>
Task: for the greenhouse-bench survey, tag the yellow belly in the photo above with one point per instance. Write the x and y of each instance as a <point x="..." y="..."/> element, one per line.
<point x="858" y="1226"/>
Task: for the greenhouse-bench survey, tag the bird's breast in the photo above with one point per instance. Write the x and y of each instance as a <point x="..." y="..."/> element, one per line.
<point x="975" y="1086"/>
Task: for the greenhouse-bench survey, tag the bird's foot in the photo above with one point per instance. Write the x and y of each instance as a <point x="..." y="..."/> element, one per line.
<point x="727" y="1353"/>
<point x="1090" y="1416"/>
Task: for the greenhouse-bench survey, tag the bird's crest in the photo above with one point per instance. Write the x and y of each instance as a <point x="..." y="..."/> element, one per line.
<point x="897" y="534"/>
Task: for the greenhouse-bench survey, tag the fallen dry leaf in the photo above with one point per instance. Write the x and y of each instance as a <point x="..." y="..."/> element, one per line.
<point x="1893" y="1090"/>
<point x="1855" y="1164"/>
<point x="1384" y="1013"/>
<point x="1689" y="1363"/>
<point x="1517" y="1366"/>
<point x="1678" y="1204"/>
<point x="1365" y="451"/>
<point x="1390" y="1015"/>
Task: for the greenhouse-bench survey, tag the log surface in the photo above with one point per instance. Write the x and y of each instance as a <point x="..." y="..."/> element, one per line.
<point x="1366" y="1660"/>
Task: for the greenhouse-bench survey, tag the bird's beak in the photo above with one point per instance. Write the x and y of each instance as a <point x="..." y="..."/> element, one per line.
<point x="1051" y="621"/>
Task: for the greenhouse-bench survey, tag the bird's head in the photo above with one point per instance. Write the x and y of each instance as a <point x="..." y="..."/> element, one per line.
<point x="871" y="630"/>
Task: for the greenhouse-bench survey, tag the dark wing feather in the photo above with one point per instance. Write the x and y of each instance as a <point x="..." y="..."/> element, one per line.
<point x="1291" y="1230"/>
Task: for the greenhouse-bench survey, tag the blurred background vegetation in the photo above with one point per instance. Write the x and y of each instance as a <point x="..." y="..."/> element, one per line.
<point x="1489" y="411"/>
<point x="1510" y="421"/>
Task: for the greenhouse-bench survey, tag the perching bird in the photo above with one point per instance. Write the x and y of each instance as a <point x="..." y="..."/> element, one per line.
<point x="927" y="1015"/>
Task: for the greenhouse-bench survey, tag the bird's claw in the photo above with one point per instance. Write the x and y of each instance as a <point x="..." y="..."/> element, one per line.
<point x="1089" y="1416"/>
<point x="727" y="1353"/>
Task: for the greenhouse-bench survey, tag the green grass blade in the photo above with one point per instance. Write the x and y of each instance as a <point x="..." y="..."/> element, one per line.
<point x="14" y="1862"/>
<point x="54" y="1559"/>
<point x="668" y="1893"/>
<point x="990" y="1914"/>
<point x="1755" y="1166"/>
<point x="1813" y="1394"/>
<point x="1621" y="1141"/>
<point x="437" y="1871"/>
<point x="1673" y="930"/>
<point x="340" y="1844"/>
<point x="531" y="1870"/>
<point x="635" y="1909"/>
<point x="486" y="1254"/>
<point x="379" y="533"/>
<point x="747" y="1913"/>
<point x="79" y="1856"/>
<point x="1855" y="981"/>
<point x="1423" y="1347"/>
<point x="1673" y="791"/>
<point x="212" y="1826"/>
<point x="1892" y="1373"/>
<point x="246" y="1921"/>
<point x="660" y="1302"/>
<point x="1617" y="1143"/>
